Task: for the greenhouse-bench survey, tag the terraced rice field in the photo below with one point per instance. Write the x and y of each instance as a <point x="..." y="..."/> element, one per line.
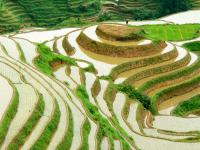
<point x="75" y="89"/>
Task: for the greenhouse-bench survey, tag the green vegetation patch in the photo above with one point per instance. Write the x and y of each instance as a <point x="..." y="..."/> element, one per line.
<point x="186" y="107"/>
<point x="73" y="22"/>
<point x="105" y="129"/>
<point x="46" y="59"/>
<point x="171" y="32"/>
<point x="193" y="47"/>
<point x="16" y="14"/>
<point x="21" y="137"/>
<point x="134" y="94"/>
<point x="85" y="134"/>
<point x="45" y="138"/>
<point x="7" y="22"/>
<point x="8" y="117"/>
<point x="67" y="140"/>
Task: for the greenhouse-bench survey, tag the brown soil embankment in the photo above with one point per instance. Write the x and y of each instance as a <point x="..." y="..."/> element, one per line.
<point x="119" y="51"/>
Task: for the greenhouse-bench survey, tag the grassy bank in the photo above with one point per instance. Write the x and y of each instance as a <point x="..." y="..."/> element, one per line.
<point x="85" y="134"/>
<point x="45" y="138"/>
<point x="21" y="137"/>
<point x="9" y="116"/>
<point x="67" y="140"/>
<point x="105" y="129"/>
<point x="134" y="94"/>
<point x="187" y="107"/>
<point x="47" y="58"/>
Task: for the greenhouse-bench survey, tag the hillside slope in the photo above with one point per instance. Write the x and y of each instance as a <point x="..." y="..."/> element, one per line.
<point x="13" y="16"/>
<point x="16" y="14"/>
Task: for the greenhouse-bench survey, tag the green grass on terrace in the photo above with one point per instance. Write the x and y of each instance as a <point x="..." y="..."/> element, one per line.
<point x="45" y="138"/>
<point x="21" y="137"/>
<point x="193" y="47"/>
<point x="85" y="132"/>
<point x="8" y="117"/>
<point x="171" y="32"/>
<point x="105" y="128"/>
<point x="46" y="57"/>
<point x="68" y="139"/>
<point x="186" y="107"/>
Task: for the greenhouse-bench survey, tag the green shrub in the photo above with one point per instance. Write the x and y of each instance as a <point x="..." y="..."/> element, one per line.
<point x="72" y="22"/>
<point x="144" y="14"/>
<point x="104" y="17"/>
<point x="46" y="57"/>
<point x="134" y="94"/>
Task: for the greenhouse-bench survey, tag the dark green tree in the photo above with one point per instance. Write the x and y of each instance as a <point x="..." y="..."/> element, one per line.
<point x="173" y="6"/>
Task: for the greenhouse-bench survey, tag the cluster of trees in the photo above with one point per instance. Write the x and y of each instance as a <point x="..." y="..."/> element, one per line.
<point x="173" y="6"/>
<point x="166" y="7"/>
<point x="87" y="8"/>
<point x="83" y="6"/>
<point x="144" y="14"/>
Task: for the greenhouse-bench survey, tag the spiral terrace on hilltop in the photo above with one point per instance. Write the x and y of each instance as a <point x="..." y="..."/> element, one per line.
<point x="116" y="32"/>
<point x="106" y="86"/>
<point x="132" y="49"/>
